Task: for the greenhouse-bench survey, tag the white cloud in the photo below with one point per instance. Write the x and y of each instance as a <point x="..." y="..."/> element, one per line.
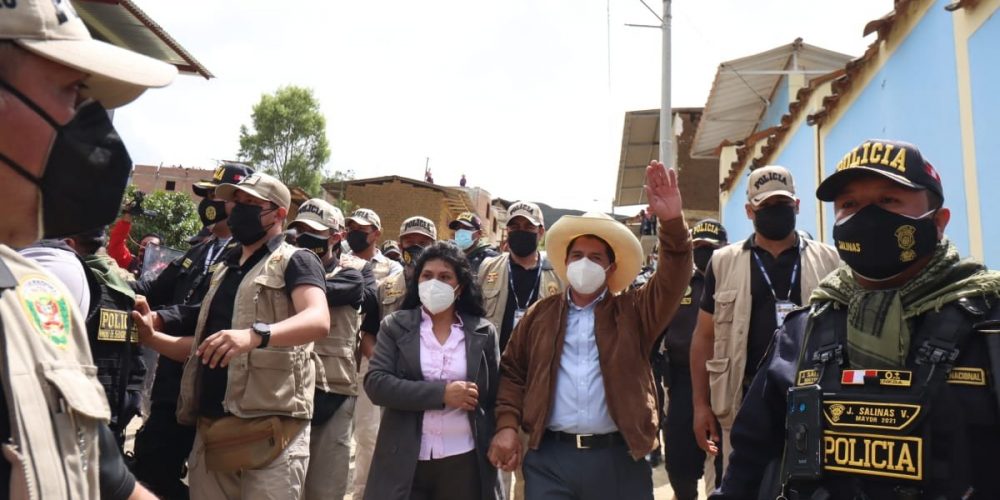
<point x="514" y="94"/>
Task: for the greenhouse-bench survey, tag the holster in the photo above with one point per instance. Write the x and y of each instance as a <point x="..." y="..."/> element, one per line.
<point x="233" y="443"/>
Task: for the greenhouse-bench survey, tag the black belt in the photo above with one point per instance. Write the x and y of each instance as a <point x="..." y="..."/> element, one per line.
<point x="587" y="441"/>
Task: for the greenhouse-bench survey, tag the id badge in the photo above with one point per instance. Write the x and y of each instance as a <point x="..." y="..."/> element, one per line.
<point x="518" y="314"/>
<point x="782" y="308"/>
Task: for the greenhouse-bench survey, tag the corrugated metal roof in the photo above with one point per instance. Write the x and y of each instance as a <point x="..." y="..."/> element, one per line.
<point x="742" y="89"/>
<point x="124" y="24"/>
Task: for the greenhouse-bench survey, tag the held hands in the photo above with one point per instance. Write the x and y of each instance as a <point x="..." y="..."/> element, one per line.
<point x="663" y="191"/>
<point x="461" y="395"/>
<point x="505" y="450"/>
<point x="706" y="432"/>
<point x="219" y="349"/>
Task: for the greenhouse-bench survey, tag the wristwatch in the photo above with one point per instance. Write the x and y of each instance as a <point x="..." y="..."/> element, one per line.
<point x="264" y="330"/>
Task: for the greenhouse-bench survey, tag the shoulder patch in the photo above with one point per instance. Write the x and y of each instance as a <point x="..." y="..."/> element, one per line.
<point x="492" y="277"/>
<point x="965" y="375"/>
<point x="46" y="308"/>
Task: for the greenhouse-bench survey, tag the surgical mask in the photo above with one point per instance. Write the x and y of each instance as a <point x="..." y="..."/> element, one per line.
<point x="878" y="244"/>
<point x="85" y="174"/>
<point x="775" y="222"/>
<point x="318" y="244"/>
<point x="411" y="254"/>
<point x="522" y="243"/>
<point x="702" y="256"/>
<point x="245" y="223"/>
<point x="358" y="241"/>
<point x="436" y="295"/>
<point x="211" y="211"/>
<point x="464" y="239"/>
<point x="586" y="276"/>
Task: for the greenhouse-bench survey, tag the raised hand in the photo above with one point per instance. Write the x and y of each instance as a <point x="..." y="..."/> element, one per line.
<point x="663" y="191"/>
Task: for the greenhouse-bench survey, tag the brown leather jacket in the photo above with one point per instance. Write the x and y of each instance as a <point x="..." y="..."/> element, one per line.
<point x="625" y="326"/>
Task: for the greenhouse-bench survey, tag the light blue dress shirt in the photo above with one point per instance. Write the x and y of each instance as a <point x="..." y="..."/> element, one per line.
<point x="580" y="405"/>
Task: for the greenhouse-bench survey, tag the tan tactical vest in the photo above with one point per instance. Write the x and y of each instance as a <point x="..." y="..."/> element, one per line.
<point x="494" y="280"/>
<point x="391" y="293"/>
<point x="731" y="266"/>
<point x="381" y="269"/>
<point x="53" y="396"/>
<point x="269" y="381"/>
<point x="336" y="370"/>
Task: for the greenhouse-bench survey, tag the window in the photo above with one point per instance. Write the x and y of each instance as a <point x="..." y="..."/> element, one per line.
<point x="171" y="185"/>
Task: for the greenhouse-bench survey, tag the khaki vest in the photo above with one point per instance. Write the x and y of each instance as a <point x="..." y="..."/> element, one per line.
<point x="381" y="269"/>
<point x="336" y="370"/>
<point x="391" y="293"/>
<point x="269" y="381"/>
<point x="731" y="266"/>
<point x="494" y="280"/>
<point x="54" y="399"/>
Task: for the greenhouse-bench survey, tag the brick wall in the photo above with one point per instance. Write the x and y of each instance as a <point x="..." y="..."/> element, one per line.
<point x="151" y="178"/>
<point x="397" y="201"/>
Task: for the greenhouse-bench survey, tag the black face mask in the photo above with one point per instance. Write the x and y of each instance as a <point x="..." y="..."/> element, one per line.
<point x="775" y="222"/>
<point x="245" y="223"/>
<point x="318" y="244"/>
<point x="702" y="256"/>
<point x="358" y="241"/>
<point x="522" y="243"/>
<point x="411" y="254"/>
<point x="211" y="211"/>
<point x="879" y="244"/>
<point x="86" y="172"/>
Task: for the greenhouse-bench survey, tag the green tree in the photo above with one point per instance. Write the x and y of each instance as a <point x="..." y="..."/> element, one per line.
<point x="176" y="218"/>
<point x="288" y="138"/>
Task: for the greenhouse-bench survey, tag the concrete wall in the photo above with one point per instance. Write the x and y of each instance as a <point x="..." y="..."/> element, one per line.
<point x="985" y="81"/>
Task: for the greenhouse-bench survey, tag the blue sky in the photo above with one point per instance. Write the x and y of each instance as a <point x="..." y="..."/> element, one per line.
<point x="515" y="94"/>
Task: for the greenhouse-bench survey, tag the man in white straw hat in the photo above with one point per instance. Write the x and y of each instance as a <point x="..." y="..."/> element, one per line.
<point x="63" y="170"/>
<point x="575" y="374"/>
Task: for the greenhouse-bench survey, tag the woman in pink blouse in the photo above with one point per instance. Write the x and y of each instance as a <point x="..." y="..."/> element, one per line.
<point x="435" y="372"/>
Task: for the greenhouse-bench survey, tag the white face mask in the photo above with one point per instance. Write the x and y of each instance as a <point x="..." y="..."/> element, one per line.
<point x="436" y="295"/>
<point x="586" y="276"/>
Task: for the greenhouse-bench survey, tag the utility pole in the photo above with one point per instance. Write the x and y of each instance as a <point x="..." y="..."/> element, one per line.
<point x="666" y="113"/>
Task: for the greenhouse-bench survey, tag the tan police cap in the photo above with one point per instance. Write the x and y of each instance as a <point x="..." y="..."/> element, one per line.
<point x="258" y="185"/>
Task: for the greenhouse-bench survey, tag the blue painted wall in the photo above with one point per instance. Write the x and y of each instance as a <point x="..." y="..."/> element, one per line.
<point x="914" y="98"/>
<point x="799" y="157"/>
<point x="986" y="119"/>
<point x="778" y="108"/>
<point x="734" y="215"/>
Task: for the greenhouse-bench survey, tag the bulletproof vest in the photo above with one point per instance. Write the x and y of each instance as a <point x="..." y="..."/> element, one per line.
<point x="336" y="370"/>
<point x="904" y="433"/>
<point x="114" y="344"/>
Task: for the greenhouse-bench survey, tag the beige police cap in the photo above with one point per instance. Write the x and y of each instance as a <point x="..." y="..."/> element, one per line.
<point x="258" y="185"/>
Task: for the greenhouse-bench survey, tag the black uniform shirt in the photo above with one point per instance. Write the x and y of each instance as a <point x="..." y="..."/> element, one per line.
<point x="681" y="328"/>
<point x="304" y="268"/>
<point x="763" y="321"/>
<point x="526" y="283"/>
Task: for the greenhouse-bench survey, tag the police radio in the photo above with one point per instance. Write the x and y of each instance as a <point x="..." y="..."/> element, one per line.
<point x="803" y="434"/>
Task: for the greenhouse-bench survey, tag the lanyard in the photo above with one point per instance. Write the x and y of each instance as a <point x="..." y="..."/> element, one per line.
<point x="795" y="272"/>
<point x="513" y="291"/>
<point x="211" y="256"/>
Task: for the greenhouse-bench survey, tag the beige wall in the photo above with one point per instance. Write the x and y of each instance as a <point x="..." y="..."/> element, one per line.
<point x="396" y="201"/>
<point x="151" y="178"/>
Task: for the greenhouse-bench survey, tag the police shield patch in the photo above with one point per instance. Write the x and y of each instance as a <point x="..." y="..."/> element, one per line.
<point x="46" y="309"/>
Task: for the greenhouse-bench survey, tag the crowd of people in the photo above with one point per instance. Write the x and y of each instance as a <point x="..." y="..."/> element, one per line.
<point x="773" y="367"/>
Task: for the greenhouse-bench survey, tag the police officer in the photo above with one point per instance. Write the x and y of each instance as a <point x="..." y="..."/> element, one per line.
<point x="320" y="228"/>
<point x="468" y="228"/>
<point x="162" y="445"/>
<point x="63" y="171"/>
<point x="684" y="459"/>
<point x="887" y="382"/>
<point x="113" y="337"/>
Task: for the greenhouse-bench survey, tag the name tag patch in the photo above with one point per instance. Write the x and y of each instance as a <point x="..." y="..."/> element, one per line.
<point x="967" y="376"/>
<point x="899" y="457"/>
<point x="114" y="325"/>
<point x="807" y="377"/>
<point x="888" y="416"/>
<point x="895" y="378"/>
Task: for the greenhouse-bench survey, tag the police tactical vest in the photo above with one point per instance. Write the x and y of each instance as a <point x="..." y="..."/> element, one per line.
<point x="391" y="293"/>
<point x="263" y="382"/>
<point x="731" y="267"/>
<point x="495" y="282"/>
<point x="898" y="433"/>
<point x="54" y="399"/>
<point x="114" y="344"/>
<point x="336" y="371"/>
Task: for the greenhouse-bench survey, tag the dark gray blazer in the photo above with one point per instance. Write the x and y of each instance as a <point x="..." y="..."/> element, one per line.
<point x="395" y="382"/>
